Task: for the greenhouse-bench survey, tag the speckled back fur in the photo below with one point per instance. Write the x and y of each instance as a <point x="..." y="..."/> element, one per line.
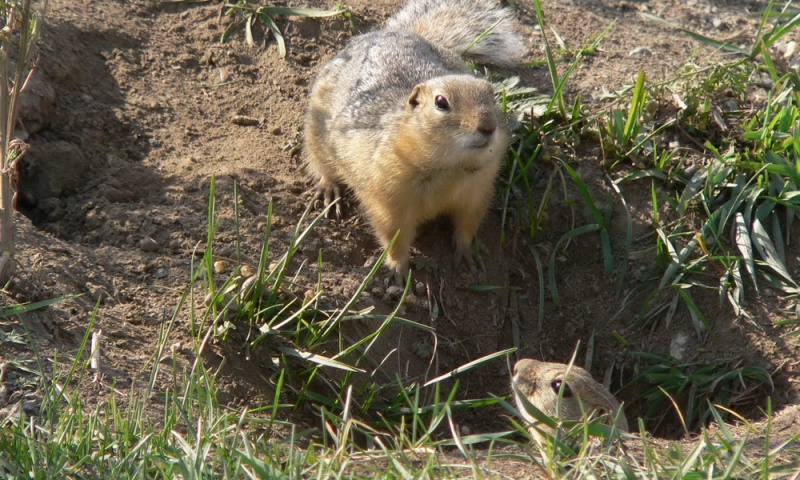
<point x="456" y="24"/>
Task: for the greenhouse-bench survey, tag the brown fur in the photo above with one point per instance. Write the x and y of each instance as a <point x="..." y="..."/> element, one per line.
<point x="426" y="175"/>
<point x="374" y="126"/>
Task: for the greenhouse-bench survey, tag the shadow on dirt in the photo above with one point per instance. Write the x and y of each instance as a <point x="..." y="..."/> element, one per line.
<point x="82" y="146"/>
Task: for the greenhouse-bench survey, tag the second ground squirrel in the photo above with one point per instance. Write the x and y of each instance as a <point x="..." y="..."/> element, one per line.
<point x="398" y="118"/>
<point x="542" y="382"/>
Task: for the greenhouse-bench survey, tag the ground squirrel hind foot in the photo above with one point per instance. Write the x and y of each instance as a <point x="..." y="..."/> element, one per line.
<point x="471" y="256"/>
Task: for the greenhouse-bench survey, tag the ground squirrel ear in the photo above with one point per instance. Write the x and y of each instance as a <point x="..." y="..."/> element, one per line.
<point x="413" y="99"/>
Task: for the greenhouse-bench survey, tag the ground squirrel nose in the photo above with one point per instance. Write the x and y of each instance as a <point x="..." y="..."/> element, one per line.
<point x="487" y="129"/>
<point x="487" y="124"/>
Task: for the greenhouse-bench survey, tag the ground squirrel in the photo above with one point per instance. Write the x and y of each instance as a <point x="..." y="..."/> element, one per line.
<point x="541" y="382"/>
<point x="399" y="119"/>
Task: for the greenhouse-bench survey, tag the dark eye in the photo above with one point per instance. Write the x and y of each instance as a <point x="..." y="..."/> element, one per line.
<point x="441" y="103"/>
<point x="558" y="385"/>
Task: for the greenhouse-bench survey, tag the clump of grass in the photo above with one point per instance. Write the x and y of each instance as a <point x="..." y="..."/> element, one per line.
<point x="734" y="184"/>
<point x="548" y="128"/>
<point x="731" y="190"/>
<point x="250" y="15"/>
<point x="171" y="423"/>
<point x="694" y="388"/>
<point x="715" y="452"/>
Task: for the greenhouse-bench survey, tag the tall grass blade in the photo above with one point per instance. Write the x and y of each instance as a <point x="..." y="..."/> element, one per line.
<point x="637" y="105"/>
<point x="745" y="247"/>
<point x="540" y="275"/>
<point x="276" y="32"/>
<point x="471" y="365"/>
<point x="599" y="218"/>
<point x="558" y="94"/>
<point x="319" y="359"/>
<point x="14" y="310"/>
<point x="728" y="47"/>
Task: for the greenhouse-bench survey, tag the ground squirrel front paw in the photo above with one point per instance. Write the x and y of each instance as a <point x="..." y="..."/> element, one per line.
<point x="469" y="253"/>
<point x="327" y="192"/>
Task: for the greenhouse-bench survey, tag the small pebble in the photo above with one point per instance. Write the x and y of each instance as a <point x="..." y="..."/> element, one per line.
<point x="248" y="285"/>
<point x="791" y="47"/>
<point x="644" y="51"/>
<point x="730" y="105"/>
<point x="244" y="121"/>
<point x="147" y="244"/>
<point x="794" y="64"/>
<point x="393" y="292"/>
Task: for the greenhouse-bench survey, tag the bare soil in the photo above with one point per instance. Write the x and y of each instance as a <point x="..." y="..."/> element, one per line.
<point x="133" y="111"/>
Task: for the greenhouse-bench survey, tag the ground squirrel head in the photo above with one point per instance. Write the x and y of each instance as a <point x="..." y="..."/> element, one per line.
<point x="457" y="115"/>
<point x="541" y="383"/>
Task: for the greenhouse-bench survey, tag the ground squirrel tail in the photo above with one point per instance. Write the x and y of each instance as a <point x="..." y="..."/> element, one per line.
<point x="457" y="24"/>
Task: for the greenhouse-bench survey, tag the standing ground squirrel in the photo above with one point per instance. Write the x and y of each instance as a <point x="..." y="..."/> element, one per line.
<point x="541" y="382"/>
<point x="399" y="119"/>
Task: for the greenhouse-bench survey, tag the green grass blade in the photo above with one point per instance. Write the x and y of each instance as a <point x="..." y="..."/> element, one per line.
<point x="276" y="32"/>
<point x="319" y="359"/>
<point x="745" y="247"/>
<point x="558" y="94"/>
<point x="14" y="310"/>
<point x="776" y="34"/>
<point x="637" y="105"/>
<point x="768" y="252"/>
<point x="605" y="238"/>
<point x="697" y="36"/>
<point x="471" y="365"/>
<point x="699" y="320"/>
<point x="540" y="274"/>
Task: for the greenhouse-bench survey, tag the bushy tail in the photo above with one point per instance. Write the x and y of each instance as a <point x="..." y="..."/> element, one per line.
<point x="478" y="30"/>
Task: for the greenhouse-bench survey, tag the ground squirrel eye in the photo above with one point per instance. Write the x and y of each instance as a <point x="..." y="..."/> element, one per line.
<point x="558" y="385"/>
<point x="441" y="103"/>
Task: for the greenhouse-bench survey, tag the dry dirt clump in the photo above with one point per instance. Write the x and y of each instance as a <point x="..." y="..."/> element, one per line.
<point x="136" y="105"/>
